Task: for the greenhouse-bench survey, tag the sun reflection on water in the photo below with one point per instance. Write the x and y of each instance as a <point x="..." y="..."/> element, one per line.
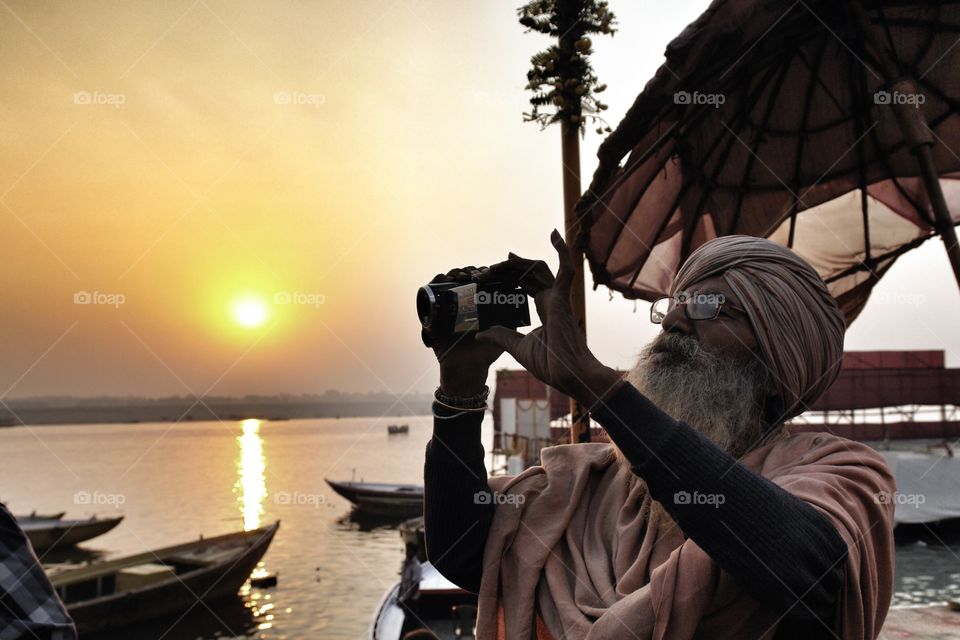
<point x="251" y="483"/>
<point x="251" y="487"/>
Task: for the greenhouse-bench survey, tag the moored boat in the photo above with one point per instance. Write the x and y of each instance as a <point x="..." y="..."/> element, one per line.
<point x="442" y="607"/>
<point x="57" y="533"/>
<point x="382" y="498"/>
<point x="33" y="515"/>
<point x="163" y="582"/>
<point x="434" y="606"/>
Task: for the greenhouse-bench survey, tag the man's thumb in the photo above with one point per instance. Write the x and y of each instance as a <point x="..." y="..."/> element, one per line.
<point x="503" y="337"/>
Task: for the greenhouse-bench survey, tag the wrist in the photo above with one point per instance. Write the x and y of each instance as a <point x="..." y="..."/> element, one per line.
<point x="598" y="384"/>
<point x="462" y="381"/>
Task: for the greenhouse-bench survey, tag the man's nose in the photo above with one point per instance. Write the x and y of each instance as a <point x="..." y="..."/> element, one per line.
<point x="677" y="321"/>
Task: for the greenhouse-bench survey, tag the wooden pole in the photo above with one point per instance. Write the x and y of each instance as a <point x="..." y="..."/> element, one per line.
<point x="944" y="222"/>
<point x="570" y="154"/>
<point x="916" y="134"/>
<point x="919" y="140"/>
<point x="561" y="77"/>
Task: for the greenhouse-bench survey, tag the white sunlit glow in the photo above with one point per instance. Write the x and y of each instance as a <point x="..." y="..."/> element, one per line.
<point x="250" y="312"/>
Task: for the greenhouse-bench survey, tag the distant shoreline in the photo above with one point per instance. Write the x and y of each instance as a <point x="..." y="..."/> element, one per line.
<point x="38" y="414"/>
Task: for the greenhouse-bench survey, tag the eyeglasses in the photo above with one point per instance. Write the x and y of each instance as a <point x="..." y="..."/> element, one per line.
<point x="698" y="306"/>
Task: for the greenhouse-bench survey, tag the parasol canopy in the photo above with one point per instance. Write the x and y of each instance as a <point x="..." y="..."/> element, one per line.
<point x="830" y="127"/>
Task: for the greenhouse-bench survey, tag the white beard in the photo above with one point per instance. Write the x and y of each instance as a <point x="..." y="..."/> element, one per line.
<point x="720" y="397"/>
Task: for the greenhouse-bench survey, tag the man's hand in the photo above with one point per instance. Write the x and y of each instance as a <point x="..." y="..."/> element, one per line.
<point x="464" y="362"/>
<point x="555" y="352"/>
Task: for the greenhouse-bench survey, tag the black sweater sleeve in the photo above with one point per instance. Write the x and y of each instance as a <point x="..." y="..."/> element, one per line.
<point x="780" y="549"/>
<point x="458" y="508"/>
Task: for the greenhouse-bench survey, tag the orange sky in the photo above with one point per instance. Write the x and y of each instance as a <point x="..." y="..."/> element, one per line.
<point x="182" y="154"/>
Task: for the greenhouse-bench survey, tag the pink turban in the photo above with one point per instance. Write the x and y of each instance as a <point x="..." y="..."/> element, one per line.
<point x="796" y="321"/>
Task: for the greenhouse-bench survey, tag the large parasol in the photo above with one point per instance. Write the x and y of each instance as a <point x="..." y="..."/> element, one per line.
<point x="831" y="127"/>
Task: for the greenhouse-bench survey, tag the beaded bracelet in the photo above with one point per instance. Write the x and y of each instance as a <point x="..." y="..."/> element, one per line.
<point x="476" y="402"/>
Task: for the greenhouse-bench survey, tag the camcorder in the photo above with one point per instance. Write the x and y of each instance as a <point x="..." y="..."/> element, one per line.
<point x="449" y="308"/>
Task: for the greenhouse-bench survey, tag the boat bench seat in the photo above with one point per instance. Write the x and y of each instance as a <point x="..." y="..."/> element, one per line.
<point x="142" y="575"/>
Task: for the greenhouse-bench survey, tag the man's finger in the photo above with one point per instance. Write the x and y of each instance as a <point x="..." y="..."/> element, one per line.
<point x="567" y="268"/>
<point x="531" y="275"/>
<point x="541" y="302"/>
<point x="513" y="264"/>
<point x="505" y="338"/>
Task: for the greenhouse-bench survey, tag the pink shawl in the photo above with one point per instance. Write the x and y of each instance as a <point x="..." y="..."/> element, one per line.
<point x="570" y="549"/>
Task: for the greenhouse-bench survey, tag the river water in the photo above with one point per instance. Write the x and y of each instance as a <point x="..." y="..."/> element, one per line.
<point x="173" y="482"/>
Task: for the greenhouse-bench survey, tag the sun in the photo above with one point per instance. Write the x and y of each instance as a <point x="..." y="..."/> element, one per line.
<point x="250" y="312"/>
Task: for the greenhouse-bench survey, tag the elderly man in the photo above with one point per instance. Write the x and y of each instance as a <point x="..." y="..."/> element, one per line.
<point x="704" y="519"/>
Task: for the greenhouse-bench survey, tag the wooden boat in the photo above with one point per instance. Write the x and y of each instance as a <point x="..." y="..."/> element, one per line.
<point x="59" y="533"/>
<point x="394" y="429"/>
<point x="40" y="516"/>
<point x="382" y="498"/>
<point x="159" y="583"/>
<point x="445" y="609"/>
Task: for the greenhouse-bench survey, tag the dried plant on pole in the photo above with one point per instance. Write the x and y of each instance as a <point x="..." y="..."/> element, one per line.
<point x="561" y="78"/>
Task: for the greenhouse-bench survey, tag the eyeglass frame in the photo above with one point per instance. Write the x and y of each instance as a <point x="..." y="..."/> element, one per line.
<point x="685" y="301"/>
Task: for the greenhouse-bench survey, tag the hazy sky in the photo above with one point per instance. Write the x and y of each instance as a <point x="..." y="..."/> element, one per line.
<point x="179" y="158"/>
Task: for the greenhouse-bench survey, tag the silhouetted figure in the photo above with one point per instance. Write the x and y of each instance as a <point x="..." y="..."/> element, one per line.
<point x="409" y="597"/>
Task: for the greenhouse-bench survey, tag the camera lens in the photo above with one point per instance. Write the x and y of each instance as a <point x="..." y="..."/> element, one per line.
<point x="426" y="306"/>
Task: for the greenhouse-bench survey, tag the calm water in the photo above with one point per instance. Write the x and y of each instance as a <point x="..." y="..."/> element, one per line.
<point x="174" y="482"/>
<point x="178" y="481"/>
